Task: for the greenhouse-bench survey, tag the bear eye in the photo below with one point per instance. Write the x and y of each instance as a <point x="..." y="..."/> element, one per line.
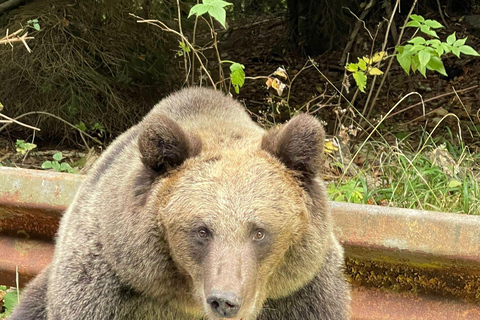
<point x="203" y="233"/>
<point x="259" y="235"/>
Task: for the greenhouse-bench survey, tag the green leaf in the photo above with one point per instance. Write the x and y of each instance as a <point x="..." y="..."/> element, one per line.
<point x="446" y="47"/>
<point x="423" y="58"/>
<point x="56" y="166"/>
<point x="436" y="64"/>
<point x="460" y="42"/>
<point x="456" y="51"/>
<point x="10" y="300"/>
<point x="198" y="10"/>
<point x="414" y="24"/>
<point x="434" y="43"/>
<point x="426" y="29"/>
<point x="423" y="70"/>
<point x="360" y="80"/>
<point x="81" y="126"/>
<point x="417" y="40"/>
<point x="23" y="147"/>
<point x="218" y="14"/>
<point x="47" y="165"/>
<point x="418" y="18"/>
<point x="65" y="167"/>
<point x="219" y="3"/>
<point x="415" y="63"/>
<point x="352" y="67"/>
<point x="57" y="156"/>
<point x="362" y="64"/>
<point x="237" y="75"/>
<point x="468" y="51"/>
<point x="99" y="127"/>
<point x="405" y="61"/>
<point x="433" y="24"/>
<point x="454" y="183"/>
<point x="451" y="39"/>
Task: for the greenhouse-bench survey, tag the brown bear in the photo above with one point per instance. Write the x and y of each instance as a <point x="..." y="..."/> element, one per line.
<point x="198" y="213"/>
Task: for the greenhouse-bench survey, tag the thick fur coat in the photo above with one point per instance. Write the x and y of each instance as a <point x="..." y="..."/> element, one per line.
<point x="198" y="213"/>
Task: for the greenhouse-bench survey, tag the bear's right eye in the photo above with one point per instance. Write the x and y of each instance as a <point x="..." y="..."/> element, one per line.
<point x="203" y="233"/>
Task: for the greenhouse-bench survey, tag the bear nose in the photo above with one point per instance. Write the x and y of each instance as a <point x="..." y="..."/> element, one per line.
<point x="224" y="304"/>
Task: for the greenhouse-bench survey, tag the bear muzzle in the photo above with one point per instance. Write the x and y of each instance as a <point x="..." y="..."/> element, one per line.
<point x="224" y="304"/>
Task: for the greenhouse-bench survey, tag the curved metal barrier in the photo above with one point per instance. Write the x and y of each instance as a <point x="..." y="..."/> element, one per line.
<point x="403" y="264"/>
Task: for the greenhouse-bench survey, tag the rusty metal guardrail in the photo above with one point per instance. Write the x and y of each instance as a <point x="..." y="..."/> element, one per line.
<point x="403" y="264"/>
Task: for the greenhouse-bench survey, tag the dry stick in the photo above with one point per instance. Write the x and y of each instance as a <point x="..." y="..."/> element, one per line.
<point x="10" y="4"/>
<point x="391" y="60"/>
<point x="215" y="45"/>
<point x="384" y="45"/>
<point x="441" y="14"/>
<point x="353" y="35"/>
<point x="393" y="30"/>
<point x="10" y="120"/>
<point x="10" y="38"/>
<point x="193" y="44"/>
<point x="58" y="118"/>
<point x="181" y="32"/>
<point x="164" y="27"/>
<point x="431" y="99"/>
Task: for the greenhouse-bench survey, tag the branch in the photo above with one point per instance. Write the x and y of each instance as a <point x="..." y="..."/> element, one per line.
<point x="164" y="27"/>
<point x="14" y="37"/>
<point x="10" y="4"/>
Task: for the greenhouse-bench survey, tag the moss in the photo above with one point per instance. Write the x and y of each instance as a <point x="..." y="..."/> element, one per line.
<point x="445" y="282"/>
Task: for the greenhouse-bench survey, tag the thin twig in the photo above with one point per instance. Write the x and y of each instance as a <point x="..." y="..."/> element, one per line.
<point x="164" y="27"/>
<point x="431" y="99"/>
<point x="10" y="120"/>
<point x="391" y="58"/>
<point x="181" y="32"/>
<point x="14" y="37"/>
<point x="384" y="46"/>
<point x="441" y="14"/>
<point x="58" y="118"/>
<point x="193" y="44"/>
<point x="353" y="35"/>
<point x="215" y="45"/>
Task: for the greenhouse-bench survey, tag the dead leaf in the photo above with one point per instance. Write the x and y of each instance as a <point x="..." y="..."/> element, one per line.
<point x="281" y="73"/>
<point x="330" y="146"/>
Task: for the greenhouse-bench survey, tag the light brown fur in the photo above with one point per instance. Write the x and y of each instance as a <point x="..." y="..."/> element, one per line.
<point x="129" y="246"/>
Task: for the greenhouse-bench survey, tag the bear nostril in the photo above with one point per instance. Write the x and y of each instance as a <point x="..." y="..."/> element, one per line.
<point x="224" y="304"/>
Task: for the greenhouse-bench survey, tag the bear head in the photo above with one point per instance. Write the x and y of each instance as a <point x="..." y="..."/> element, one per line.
<point x="243" y="225"/>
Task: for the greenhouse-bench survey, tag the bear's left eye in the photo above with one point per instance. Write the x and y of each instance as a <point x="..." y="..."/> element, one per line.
<point x="203" y="233"/>
<point x="259" y="235"/>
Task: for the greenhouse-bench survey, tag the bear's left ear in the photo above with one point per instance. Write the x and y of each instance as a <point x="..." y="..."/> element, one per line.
<point x="164" y="145"/>
<point x="297" y="144"/>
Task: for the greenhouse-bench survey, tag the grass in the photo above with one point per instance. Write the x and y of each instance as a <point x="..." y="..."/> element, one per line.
<point x="439" y="177"/>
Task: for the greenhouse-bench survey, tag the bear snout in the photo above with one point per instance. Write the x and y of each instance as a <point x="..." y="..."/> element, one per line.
<point x="224" y="304"/>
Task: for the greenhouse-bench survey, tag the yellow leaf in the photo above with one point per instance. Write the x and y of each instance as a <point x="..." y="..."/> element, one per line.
<point x="269" y="83"/>
<point x="367" y="59"/>
<point x="352" y="67"/>
<point x="329" y="146"/>
<point x="375" y="72"/>
<point x="379" y="56"/>
<point x="278" y="85"/>
<point x="281" y="73"/>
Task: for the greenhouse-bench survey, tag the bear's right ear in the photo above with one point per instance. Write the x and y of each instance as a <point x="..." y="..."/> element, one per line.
<point x="298" y="145"/>
<point x="164" y="145"/>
